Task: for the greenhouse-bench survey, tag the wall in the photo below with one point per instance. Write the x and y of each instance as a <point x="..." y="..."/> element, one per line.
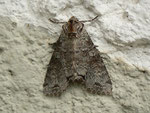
<point x="122" y="33"/>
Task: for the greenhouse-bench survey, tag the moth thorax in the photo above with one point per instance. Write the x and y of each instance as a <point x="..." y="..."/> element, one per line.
<point x="72" y="35"/>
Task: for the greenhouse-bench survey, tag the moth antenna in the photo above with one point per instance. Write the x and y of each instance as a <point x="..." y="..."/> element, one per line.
<point x="83" y="21"/>
<point x="56" y="21"/>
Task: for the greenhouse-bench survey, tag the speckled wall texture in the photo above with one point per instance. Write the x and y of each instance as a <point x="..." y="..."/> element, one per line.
<point x="122" y="33"/>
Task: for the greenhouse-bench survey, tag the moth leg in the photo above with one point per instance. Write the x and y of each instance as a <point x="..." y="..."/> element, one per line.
<point x="97" y="79"/>
<point x="80" y="28"/>
<point x="64" y="29"/>
<point x="55" y="81"/>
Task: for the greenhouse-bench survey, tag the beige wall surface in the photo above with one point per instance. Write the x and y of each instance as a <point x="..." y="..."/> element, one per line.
<point x="122" y="34"/>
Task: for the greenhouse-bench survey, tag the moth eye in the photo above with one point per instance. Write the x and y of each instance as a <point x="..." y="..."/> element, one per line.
<point x="71" y="21"/>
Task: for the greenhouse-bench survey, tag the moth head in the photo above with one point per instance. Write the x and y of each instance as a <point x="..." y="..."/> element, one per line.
<point x="73" y="20"/>
<point x="74" y="26"/>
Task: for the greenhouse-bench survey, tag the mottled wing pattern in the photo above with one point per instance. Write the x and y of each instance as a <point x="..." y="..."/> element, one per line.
<point x="55" y="81"/>
<point x="90" y="65"/>
<point x="76" y="58"/>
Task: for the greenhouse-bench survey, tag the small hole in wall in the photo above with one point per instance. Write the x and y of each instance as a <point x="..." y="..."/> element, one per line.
<point x="125" y="15"/>
<point x="11" y="72"/>
<point x="143" y="71"/>
<point x="1" y="50"/>
<point x="14" y="24"/>
<point x="117" y="64"/>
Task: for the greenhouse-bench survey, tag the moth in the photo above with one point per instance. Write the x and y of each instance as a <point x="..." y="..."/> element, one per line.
<point x="76" y="59"/>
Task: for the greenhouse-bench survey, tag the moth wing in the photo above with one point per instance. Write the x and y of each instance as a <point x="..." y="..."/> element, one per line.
<point x="97" y="79"/>
<point x="55" y="81"/>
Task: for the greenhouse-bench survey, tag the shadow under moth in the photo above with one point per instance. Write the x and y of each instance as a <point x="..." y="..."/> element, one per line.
<point x="75" y="58"/>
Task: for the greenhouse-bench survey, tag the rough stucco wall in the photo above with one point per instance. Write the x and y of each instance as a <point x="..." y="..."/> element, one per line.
<point x="122" y="34"/>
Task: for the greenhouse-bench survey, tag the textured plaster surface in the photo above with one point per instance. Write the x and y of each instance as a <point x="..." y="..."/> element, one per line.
<point x="122" y="33"/>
